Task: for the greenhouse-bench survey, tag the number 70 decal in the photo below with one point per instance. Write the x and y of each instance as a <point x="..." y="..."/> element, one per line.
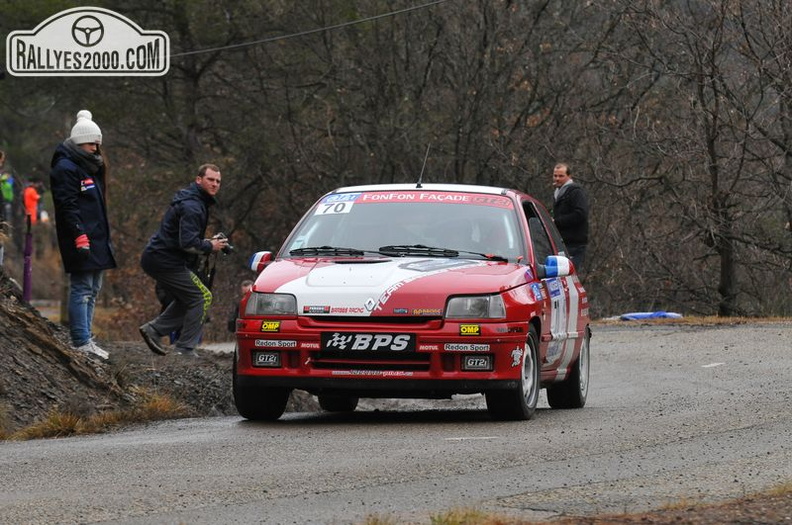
<point x="333" y="208"/>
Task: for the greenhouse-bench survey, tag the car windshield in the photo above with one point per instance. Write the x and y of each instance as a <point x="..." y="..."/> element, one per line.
<point x="409" y="223"/>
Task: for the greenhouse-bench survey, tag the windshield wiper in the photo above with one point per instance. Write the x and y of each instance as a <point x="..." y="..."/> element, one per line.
<point x="325" y="250"/>
<point x="488" y="256"/>
<point x="401" y="250"/>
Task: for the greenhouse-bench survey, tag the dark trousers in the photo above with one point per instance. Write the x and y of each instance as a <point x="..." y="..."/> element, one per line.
<point x="187" y="311"/>
<point x="577" y="254"/>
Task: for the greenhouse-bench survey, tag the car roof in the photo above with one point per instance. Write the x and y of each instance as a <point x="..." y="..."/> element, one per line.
<point x="466" y="188"/>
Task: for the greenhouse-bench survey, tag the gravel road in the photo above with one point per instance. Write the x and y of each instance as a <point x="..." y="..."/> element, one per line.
<point x="675" y="413"/>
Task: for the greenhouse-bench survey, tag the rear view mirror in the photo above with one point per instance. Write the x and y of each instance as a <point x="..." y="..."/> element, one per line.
<point x="555" y="266"/>
<point x="259" y="260"/>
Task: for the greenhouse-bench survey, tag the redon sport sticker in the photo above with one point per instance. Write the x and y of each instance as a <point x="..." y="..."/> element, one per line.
<point x="274" y="343"/>
<point x="465" y="347"/>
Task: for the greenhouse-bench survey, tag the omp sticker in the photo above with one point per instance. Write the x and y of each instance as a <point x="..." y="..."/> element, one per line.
<point x="270" y="326"/>
<point x="469" y="329"/>
<point x="274" y="343"/>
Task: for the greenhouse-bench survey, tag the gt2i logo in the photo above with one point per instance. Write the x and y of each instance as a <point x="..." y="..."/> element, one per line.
<point x="357" y="341"/>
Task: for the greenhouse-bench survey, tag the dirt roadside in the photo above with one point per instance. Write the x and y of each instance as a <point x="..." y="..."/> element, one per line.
<point x="39" y="374"/>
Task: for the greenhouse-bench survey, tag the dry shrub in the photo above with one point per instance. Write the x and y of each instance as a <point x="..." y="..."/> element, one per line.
<point x="56" y="424"/>
<point x="468" y="517"/>
<point x="149" y="407"/>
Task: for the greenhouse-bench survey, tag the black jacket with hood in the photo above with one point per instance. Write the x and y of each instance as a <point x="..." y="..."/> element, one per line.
<point x="180" y="241"/>
<point x="80" y="208"/>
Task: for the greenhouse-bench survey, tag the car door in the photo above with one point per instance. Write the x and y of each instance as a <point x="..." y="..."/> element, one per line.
<point x="562" y="292"/>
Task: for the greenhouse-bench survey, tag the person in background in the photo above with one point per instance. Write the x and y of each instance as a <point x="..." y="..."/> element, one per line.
<point x="570" y="213"/>
<point x="30" y="198"/>
<point x="172" y="256"/>
<point x="6" y="190"/>
<point x="78" y="184"/>
<point x="244" y="288"/>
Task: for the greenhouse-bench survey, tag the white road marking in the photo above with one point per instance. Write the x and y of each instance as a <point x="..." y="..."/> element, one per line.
<point x="470" y="438"/>
<point x="712" y="365"/>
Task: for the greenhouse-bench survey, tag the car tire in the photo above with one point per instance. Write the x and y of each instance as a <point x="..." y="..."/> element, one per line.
<point x="520" y="403"/>
<point x="258" y="403"/>
<point x="572" y="392"/>
<point x="333" y="403"/>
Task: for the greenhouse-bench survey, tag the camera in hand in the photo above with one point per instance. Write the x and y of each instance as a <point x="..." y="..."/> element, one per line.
<point x="227" y="249"/>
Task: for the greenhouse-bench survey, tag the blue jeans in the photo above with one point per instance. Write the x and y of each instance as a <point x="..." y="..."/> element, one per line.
<point x="84" y="288"/>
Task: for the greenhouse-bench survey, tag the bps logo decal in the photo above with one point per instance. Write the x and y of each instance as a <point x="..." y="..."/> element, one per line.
<point x="357" y="341"/>
<point x="469" y="329"/>
<point x="87" y="41"/>
<point x="270" y="326"/>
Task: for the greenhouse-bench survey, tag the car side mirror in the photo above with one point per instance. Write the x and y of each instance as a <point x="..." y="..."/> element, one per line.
<point x="555" y="266"/>
<point x="259" y="260"/>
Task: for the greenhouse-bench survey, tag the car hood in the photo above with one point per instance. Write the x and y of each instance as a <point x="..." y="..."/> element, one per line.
<point x="385" y="286"/>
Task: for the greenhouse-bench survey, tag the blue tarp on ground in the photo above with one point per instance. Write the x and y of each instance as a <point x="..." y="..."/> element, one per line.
<point x="635" y="316"/>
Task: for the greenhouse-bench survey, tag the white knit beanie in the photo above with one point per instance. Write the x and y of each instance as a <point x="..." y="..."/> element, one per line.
<point x="86" y="130"/>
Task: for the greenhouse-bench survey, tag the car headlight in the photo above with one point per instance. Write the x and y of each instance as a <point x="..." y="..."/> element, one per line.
<point x="271" y="304"/>
<point x="476" y="307"/>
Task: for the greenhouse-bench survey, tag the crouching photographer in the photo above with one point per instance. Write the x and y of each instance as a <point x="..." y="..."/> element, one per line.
<point x="171" y="257"/>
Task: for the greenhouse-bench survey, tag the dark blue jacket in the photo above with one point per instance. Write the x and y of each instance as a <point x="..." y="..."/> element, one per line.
<point x="80" y="208"/>
<point x="570" y="214"/>
<point x="180" y="241"/>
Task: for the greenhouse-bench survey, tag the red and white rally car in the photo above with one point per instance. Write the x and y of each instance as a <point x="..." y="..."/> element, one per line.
<point x="415" y="291"/>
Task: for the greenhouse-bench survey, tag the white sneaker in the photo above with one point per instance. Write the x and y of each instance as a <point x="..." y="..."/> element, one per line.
<point x="92" y="348"/>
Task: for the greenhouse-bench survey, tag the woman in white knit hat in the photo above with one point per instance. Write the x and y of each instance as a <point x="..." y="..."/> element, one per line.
<point x="77" y="181"/>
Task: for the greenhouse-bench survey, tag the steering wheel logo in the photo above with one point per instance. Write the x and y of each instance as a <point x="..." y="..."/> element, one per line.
<point x="87" y="31"/>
